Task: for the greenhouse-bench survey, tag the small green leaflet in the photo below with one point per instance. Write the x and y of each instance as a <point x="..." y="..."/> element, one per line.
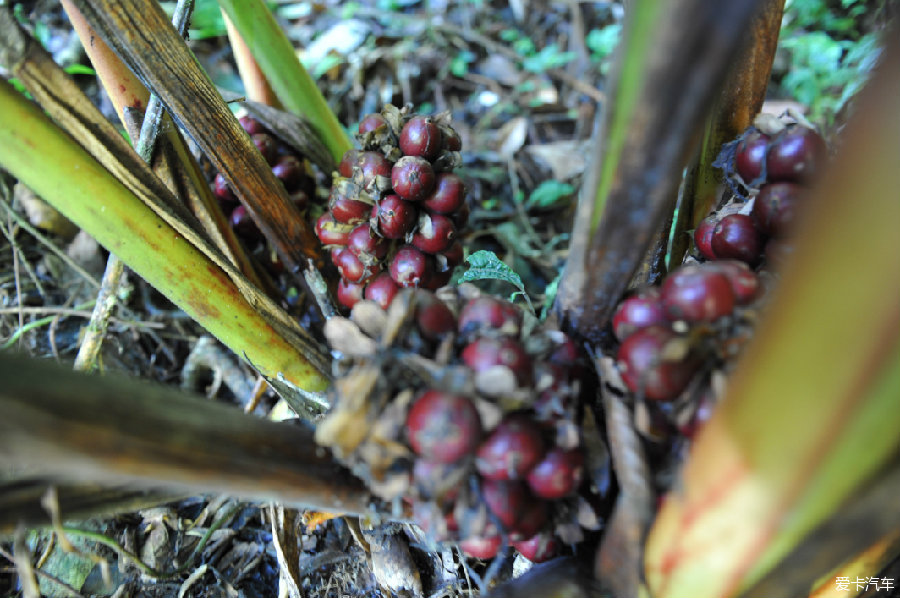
<point x="549" y="193"/>
<point x="485" y="265"/>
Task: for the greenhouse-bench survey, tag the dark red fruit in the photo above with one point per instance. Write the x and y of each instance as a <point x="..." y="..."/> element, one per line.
<point x="488" y="312"/>
<point x="451" y="257"/>
<point x="382" y="290"/>
<point x="371" y="122"/>
<point x="371" y="165"/>
<point x="796" y="154"/>
<point x="251" y="125"/>
<point x="513" y="448"/>
<point x="350" y="266"/>
<point x="461" y="217"/>
<point x="421" y="137"/>
<point x="331" y="232"/>
<point x="436" y="480"/>
<point x="703" y="236"/>
<point x="481" y="548"/>
<point x="452" y="142"/>
<point x="697" y="294"/>
<point x="532" y="520"/>
<point x="222" y="190"/>
<point x="486" y="352"/>
<point x="443" y="427"/>
<point x="345" y="168"/>
<point x="558" y="474"/>
<point x="434" y="234"/>
<point x="267" y="146"/>
<point x="539" y="548"/>
<point x="433" y="318"/>
<point x="396" y="218"/>
<point x="348" y="293"/>
<point x="565" y="352"/>
<point x="365" y="245"/>
<point x="744" y="282"/>
<point x="289" y="170"/>
<point x="412" y="178"/>
<point x="735" y="237"/>
<point x="242" y="223"/>
<point x="410" y="267"/>
<point x="507" y="500"/>
<point x="638" y="311"/>
<point x="750" y="156"/>
<point x="438" y="280"/>
<point x="347" y="210"/>
<point x="448" y="196"/>
<point x="643" y="368"/>
<point x="774" y="207"/>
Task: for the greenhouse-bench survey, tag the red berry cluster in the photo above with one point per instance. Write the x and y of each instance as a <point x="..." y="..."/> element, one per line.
<point x="775" y="161"/>
<point x="494" y="456"/>
<point x="656" y="358"/>
<point x="396" y="208"/>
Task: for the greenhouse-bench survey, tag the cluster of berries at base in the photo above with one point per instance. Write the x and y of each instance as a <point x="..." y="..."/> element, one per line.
<point x="396" y="208"/>
<point x="287" y="166"/>
<point x="457" y="406"/>
<point x="773" y="160"/>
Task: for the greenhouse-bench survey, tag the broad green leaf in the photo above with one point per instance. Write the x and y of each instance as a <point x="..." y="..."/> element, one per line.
<point x="485" y="265"/>
<point x="549" y="193"/>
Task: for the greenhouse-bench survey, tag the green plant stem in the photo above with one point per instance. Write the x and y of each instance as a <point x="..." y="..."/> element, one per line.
<point x="37" y="324"/>
<point x="292" y="83"/>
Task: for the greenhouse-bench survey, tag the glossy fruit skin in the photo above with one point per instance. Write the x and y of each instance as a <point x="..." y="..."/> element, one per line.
<point x="348" y="161"/>
<point x="395" y="217"/>
<point x="461" y="216"/>
<point x="365" y="245"/>
<point x="331" y="232"/>
<point x="795" y="155"/>
<point x="696" y="294"/>
<point x="443" y="427"/>
<point x="431" y="479"/>
<point x="448" y="196"/>
<point x="222" y="190"/>
<point x="438" y="280"/>
<point x="267" y="146"/>
<point x="434" y="234"/>
<point x="750" y="156"/>
<point x="513" y="448"/>
<point x="410" y="267"/>
<point x="643" y="369"/>
<point x="486" y="352"/>
<point x="486" y="312"/>
<point x="736" y="237"/>
<point x="289" y="170"/>
<point x="452" y="256"/>
<point x="638" y="311"/>
<point x="481" y="548"/>
<point x="251" y="125"/>
<point x="774" y="207"/>
<point x="507" y="500"/>
<point x="558" y="474"/>
<point x="703" y="237"/>
<point x="412" y="178"/>
<point x="539" y="548"/>
<point x="532" y="520"/>
<point x="744" y="282"/>
<point x="372" y="165"/>
<point x="371" y="122"/>
<point x="348" y="293"/>
<point x="421" y="137"/>
<point x="242" y="223"/>
<point x="433" y="318"/>
<point x="382" y="289"/>
<point x="346" y="210"/>
<point x="350" y="266"/>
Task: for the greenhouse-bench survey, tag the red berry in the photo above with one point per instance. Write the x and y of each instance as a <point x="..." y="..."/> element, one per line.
<point x="532" y="520"/>
<point x="774" y="207"/>
<point x="643" y="368"/>
<point x="703" y="236"/>
<point x="372" y="165"/>
<point x="410" y="267"/>
<point x="412" y="178"/>
<point x="436" y="480"/>
<point x="438" y="280"/>
<point x="331" y="232"/>
<point x="750" y="155"/>
<point x="396" y="218"/>
<point x="506" y="499"/>
<point x="348" y="293"/>
<point x="697" y="294"/>
<point x="371" y="122"/>
<point x="481" y="548"/>
<point x="443" y="427"/>
<point x="222" y="190"/>
<point x="434" y="234"/>
<point x="486" y="352"/>
<point x="558" y="474"/>
<point x="347" y="210"/>
<point x="289" y="170"/>
<point x="251" y="125"/>
<point x="461" y="217"/>
<point x="350" y="266"/>
<point x="796" y="154"/>
<point x="744" y="282"/>
<point x="448" y="196"/>
<point x="735" y="237"/>
<point x="451" y="257"/>
<point x="433" y="318"/>
<point x="452" y="142"/>
<point x="421" y="137"/>
<point x="368" y="247"/>
<point x="242" y="223"/>
<point x="513" y="448"/>
<point x="345" y="168"/>
<point x="539" y="548"/>
<point x="638" y="311"/>
<point x="382" y="290"/>
<point x="488" y="312"/>
<point x="267" y="146"/>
